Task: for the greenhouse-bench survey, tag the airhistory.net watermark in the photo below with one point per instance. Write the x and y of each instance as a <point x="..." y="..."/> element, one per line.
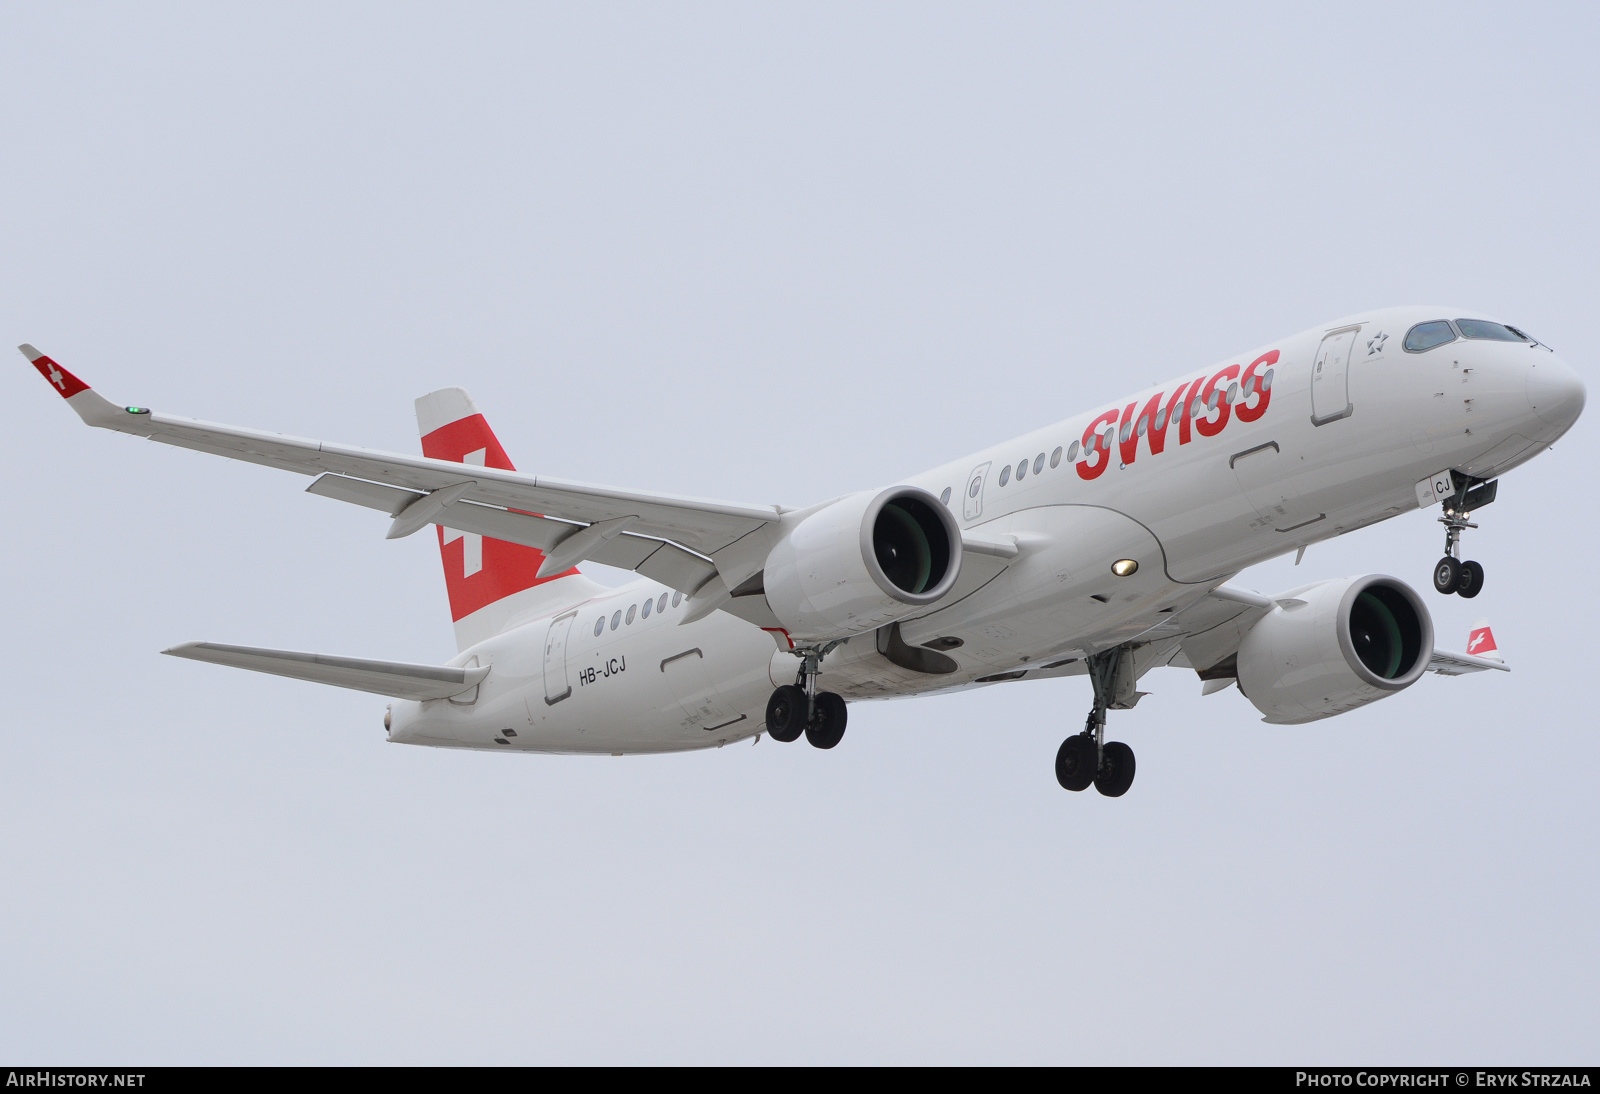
<point x="49" y="1078"/>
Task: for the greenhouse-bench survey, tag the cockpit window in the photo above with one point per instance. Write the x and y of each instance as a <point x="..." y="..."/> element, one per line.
<point x="1493" y="332"/>
<point x="1425" y="336"/>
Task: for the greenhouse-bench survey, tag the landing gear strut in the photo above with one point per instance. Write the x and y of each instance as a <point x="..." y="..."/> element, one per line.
<point x="1088" y="757"/>
<point x="1450" y="574"/>
<point x="800" y="708"/>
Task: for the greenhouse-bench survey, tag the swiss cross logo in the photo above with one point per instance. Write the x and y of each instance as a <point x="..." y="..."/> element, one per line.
<point x="60" y="379"/>
<point x="486" y="569"/>
<point x="1480" y="642"/>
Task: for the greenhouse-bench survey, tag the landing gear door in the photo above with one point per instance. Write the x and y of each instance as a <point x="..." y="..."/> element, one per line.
<point x="1330" y="377"/>
<point x="972" y="497"/>
<point x="556" y="687"/>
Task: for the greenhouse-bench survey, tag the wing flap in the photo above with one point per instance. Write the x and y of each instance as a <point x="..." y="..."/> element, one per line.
<point x="392" y="678"/>
<point x="658" y="559"/>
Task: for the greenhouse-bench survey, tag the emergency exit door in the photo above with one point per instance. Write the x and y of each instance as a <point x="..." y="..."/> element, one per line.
<point x="556" y="687"/>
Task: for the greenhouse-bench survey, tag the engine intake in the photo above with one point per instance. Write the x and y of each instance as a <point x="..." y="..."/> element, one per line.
<point x="1333" y="647"/>
<point x="862" y="562"/>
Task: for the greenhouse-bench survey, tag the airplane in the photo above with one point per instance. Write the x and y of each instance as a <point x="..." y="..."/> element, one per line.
<point x="1100" y="546"/>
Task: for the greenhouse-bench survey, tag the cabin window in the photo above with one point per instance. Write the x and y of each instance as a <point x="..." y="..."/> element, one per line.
<point x="677" y="598"/>
<point x="944" y="498"/>
<point x="1038" y="463"/>
<point x="616" y="619"/>
<point x="631" y="609"/>
<point x="1022" y="470"/>
<point x="644" y="612"/>
<point x="1424" y="336"/>
<point x="661" y="605"/>
<point x="1233" y="393"/>
<point x="599" y="625"/>
<point x="1144" y="423"/>
<point x="1005" y="474"/>
<point x="1055" y="457"/>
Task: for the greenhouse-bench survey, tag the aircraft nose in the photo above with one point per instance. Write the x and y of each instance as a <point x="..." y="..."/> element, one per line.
<point x="1554" y="391"/>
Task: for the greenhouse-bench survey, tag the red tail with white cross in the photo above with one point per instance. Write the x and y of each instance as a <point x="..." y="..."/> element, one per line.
<point x="478" y="571"/>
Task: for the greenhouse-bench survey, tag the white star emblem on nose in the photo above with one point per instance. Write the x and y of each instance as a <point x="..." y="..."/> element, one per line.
<point x="1375" y="344"/>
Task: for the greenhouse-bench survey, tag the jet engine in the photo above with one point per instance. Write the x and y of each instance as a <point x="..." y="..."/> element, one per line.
<point x="862" y="562"/>
<point x="1335" y="646"/>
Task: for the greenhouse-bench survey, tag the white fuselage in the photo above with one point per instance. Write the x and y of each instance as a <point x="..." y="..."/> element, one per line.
<point x="1350" y="425"/>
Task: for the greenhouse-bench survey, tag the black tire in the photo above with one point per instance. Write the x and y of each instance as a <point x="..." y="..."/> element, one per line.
<point x="786" y="713"/>
<point x="1470" y="583"/>
<point x="1076" y="761"/>
<point x="1446" y="575"/>
<point x="827" y="726"/>
<point x="1116" y="770"/>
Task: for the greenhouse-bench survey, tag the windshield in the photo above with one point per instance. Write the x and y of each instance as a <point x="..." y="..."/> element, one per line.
<point x="1493" y="332"/>
<point x="1425" y="336"/>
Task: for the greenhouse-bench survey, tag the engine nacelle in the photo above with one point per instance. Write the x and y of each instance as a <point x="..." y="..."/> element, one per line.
<point x="1335" y="646"/>
<point x="862" y="562"/>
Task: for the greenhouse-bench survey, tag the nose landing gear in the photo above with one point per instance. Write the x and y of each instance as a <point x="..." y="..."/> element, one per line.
<point x="1088" y="757"/>
<point x="800" y="708"/>
<point x="1450" y="574"/>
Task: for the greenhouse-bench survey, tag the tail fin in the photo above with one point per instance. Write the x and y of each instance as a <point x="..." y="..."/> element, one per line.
<point x="1480" y="641"/>
<point x="489" y="580"/>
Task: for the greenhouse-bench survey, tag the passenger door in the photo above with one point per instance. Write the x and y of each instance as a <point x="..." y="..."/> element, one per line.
<point x="1330" y="377"/>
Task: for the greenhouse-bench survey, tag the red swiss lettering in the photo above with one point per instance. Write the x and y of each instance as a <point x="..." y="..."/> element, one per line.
<point x="1091" y="447"/>
<point x="1204" y="424"/>
<point x="1182" y="413"/>
<point x="1254" y="386"/>
<point x="1127" y="435"/>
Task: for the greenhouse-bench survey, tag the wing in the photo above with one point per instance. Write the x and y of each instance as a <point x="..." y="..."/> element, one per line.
<point x="1446" y="663"/>
<point x="668" y="537"/>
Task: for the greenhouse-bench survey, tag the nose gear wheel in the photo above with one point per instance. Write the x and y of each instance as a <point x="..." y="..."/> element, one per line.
<point x="1451" y="574"/>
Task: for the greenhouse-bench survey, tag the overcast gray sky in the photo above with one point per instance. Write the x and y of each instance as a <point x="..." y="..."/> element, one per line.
<point x="767" y="254"/>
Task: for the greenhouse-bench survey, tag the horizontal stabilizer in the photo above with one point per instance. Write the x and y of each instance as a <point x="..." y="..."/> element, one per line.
<point x="392" y="678"/>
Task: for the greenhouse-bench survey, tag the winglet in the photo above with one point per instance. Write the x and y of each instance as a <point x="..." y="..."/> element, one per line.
<point x="87" y="402"/>
<point x="60" y="379"/>
<point x="1480" y="642"/>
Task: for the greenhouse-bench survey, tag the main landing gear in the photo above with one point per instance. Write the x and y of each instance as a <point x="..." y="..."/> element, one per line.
<point x="800" y="708"/>
<point x="1450" y="574"/>
<point x="1088" y="757"/>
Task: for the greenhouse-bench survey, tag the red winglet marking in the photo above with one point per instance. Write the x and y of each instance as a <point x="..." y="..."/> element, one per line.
<point x="1481" y="642"/>
<point x="60" y="379"/>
